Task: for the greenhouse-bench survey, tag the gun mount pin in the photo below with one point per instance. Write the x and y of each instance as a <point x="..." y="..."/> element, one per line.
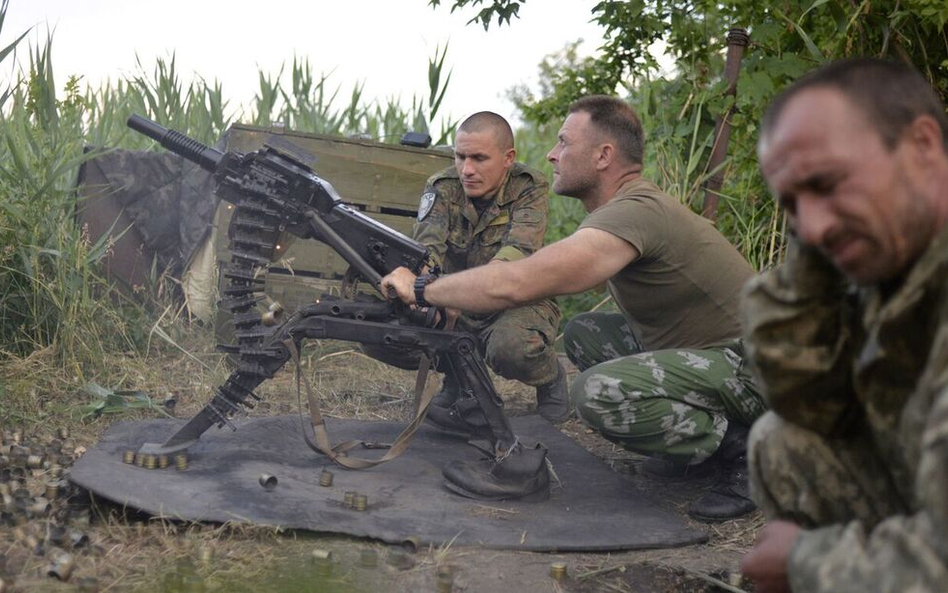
<point x="268" y="482"/>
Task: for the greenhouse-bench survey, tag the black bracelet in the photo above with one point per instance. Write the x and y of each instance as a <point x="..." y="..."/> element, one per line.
<point x="420" y="283"/>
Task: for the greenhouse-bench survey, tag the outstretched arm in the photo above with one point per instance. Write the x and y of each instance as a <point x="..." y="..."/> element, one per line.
<point x="582" y="261"/>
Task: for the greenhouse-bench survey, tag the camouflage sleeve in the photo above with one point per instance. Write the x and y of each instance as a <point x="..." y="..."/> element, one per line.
<point x="528" y="219"/>
<point x="431" y="228"/>
<point x="797" y="323"/>
<point x="902" y="553"/>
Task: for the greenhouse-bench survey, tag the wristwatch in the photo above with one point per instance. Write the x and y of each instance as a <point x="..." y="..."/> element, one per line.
<point x="420" y="283"/>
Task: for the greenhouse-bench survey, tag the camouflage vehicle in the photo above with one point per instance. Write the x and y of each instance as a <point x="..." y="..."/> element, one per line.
<point x="166" y="220"/>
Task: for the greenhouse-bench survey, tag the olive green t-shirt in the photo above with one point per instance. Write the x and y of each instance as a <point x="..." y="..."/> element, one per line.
<point x="682" y="291"/>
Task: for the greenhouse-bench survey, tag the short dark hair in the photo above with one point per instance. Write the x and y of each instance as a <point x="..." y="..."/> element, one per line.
<point x="891" y="95"/>
<point x="617" y="119"/>
<point x="488" y="121"/>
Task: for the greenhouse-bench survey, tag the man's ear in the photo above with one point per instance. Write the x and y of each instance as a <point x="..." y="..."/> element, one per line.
<point x="509" y="157"/>
<point x="926" y="137"/>
<point x="605" y="155"/>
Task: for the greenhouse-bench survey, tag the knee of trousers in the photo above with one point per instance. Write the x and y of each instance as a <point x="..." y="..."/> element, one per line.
<point x="522" y="354"/>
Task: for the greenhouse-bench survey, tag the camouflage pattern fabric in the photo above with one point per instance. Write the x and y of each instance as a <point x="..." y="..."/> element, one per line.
<point x="517" y="344"/>
<point x="856" y="450"/>
<point x="511" y="226"/>
<point x="169" y="199"/>
<point x="673" y="403"/>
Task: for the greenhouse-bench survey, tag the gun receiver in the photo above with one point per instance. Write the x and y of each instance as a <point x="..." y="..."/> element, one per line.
<point x="287" y="191"/>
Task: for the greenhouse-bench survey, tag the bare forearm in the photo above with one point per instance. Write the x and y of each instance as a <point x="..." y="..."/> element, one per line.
<point x="493" y="287"/>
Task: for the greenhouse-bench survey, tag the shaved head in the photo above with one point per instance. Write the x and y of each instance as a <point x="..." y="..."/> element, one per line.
<point x="488" y="122"/>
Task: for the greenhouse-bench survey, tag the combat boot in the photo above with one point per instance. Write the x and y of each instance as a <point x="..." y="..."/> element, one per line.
<point x="553" y="398"/>
<point x="463" y="418"/>
<point x="729" y="497"/>
<point x="449" y="392"/>
<point x="522" y="474"/>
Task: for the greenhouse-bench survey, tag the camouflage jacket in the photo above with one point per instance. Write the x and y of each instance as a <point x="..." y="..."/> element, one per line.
<point x="510" y="228"/>
<point x="827" y="353"/>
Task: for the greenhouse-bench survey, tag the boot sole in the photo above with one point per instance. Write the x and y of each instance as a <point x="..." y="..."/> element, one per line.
<point x="539" y="496"/>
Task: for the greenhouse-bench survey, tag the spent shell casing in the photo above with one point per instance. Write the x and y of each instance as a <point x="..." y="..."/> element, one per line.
<point x="34" y="461"/>
<point x="181" y="461"/>
<point x="163" y="461"/>
<point x="325" y="478"/>
<point x="369" y="558"/>
<point x="128" y="457"/>
<point x="445" y="583"/>
<point x="17" y="436"/>
<point x="52" y="490"/>
<point x="61" y="568"/>
<point x="78" y="539"/>
<point x="558" y="571"/>
<point x="56" y="534"/>
<point x="361" y="502"/>
<point x="321" y="554"/>
<point x="40" y="507"/>
<point x="348" y="499"/>
<point x="5" y="489"/>
<point x="268" y="482"/>
<point x="57" y="471"/>
<point x="63" y="432"/>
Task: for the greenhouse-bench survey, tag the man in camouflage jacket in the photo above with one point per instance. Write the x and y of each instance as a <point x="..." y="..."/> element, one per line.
<point x="850" y="337"/>
<point x="489" y="208"/>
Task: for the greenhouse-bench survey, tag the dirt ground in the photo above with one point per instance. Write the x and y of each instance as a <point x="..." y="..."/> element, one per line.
<point x="114" y="549"/>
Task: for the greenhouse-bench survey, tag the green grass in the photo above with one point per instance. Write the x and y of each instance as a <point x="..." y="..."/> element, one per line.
<point x="54" y="299"/>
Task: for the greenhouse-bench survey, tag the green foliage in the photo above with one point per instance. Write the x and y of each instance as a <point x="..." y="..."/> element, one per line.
<point x="53" y="294"/>
<point x="503" y="10"/>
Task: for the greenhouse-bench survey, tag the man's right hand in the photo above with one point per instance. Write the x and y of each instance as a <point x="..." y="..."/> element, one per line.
<point x="402" y="281"/>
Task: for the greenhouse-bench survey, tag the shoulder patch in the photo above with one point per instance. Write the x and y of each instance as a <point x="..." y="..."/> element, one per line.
<point x="427" y="203"/>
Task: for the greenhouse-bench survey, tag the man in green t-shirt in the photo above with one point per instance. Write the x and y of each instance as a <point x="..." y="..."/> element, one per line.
<point x="666" y="377"/>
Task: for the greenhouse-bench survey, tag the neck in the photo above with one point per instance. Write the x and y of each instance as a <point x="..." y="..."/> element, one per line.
<point x="608" y="189"/>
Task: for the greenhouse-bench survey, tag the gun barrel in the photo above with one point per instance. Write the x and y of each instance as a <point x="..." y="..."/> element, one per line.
<point x="205" y="156"/>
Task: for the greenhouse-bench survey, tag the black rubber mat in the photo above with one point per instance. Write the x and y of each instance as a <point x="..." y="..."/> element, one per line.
<point x="591" y="508"/>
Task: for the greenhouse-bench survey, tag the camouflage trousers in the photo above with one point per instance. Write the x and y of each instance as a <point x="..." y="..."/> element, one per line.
<point x="674" y="403"/>
<point x="516" y="344"/>
<point x="825" y="485"/>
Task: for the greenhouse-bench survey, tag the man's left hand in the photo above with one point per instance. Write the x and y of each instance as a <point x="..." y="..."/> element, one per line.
<point x="766" y="563"/>
<point x="403" y="283"/>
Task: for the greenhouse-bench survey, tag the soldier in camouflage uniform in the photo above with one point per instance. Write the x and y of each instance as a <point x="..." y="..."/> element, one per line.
<point x="489" y="208"/>
<point x="664" y="378"/>
<point x="850" y="337"/>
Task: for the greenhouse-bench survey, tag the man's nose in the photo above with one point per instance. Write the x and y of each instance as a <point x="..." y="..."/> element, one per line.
<point x="467" y="167"/>
<point x="552" y="155"/>
<point x="814" y="219"/>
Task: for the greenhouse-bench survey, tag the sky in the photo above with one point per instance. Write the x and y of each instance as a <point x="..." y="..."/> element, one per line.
<point x="384" y="43"/>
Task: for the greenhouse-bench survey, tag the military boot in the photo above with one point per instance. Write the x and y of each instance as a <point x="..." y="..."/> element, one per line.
<point x="449" y="392"/>
<point x="463" y="418"/>
<point x="553" y="398"/>
<point x="729" y="497"/>
<point x="522" y="474"/>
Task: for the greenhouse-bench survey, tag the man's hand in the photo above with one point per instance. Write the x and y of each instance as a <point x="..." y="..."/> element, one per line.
<point x="766" y="563"/>
<point x="402" y="281"/>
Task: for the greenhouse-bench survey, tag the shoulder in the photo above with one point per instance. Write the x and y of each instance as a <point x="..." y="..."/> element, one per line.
<point x="526" y="175"/>
<point x="444" y="178"/>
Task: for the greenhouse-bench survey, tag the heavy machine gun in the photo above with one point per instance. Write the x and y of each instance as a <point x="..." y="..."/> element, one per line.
<point x="273" y="192"/>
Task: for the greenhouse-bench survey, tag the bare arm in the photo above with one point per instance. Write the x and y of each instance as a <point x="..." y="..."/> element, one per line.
<point x="585" y="259"/>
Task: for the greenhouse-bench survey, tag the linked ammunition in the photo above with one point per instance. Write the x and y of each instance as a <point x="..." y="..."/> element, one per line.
<point x="151" y="462"/>
<point x="361" y="502"/>
<point x="348" y="499"/>
<point x="181" y="461"/>
<point x="128" y="457"/>
<point x="163" y="461"/>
